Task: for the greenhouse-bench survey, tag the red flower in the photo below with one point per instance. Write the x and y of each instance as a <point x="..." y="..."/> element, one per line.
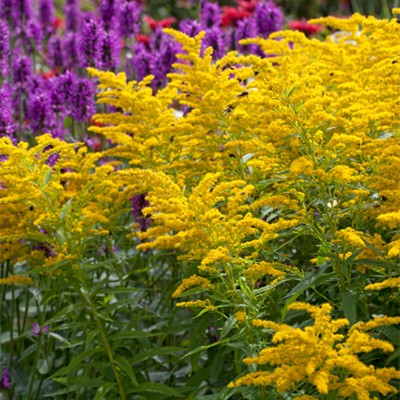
<point x="57" y="23"/>
<point x="164" y="23"/>
<point x="50" y="74"/>
<point x="92" y="122"/>
<point x="305" y="27"/>
<point x="141" y="38"/>
<point x="247" y="5"/>
<point x="231" y="15"/>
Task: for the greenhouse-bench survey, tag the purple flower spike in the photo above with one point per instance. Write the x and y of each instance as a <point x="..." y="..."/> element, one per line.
<point x="22" y="9"/>
<point x="5" y="382"/>
<point x="6" y="9"/>
<point x="246" y="29"/>
<point x="7" y="127"/>
<point x="81" y="100"/>
<point x="142" y="61"/>
<point x="210" y="14"/>
<point x="38" y="112"/>
<point x="268" y="17"/>
<point x="190" y="27"/>
<point x="108" y="11"/>
<point x="138" y="203"/>
<point x="214" y="38"/>
<point x="129" y="23"/>
<point x="55" y="53"/>
<point x="46" y="14"/>
<point x="73" y="17"/>
<point x="34" y="32"/>
<point x="4" y="47"/>
<point x="36" y="329"/>
<point x="111" y="51"/>
<point x="22" y="68"/>
<point x="91" y="44"/>
<point x="71" y="50"/>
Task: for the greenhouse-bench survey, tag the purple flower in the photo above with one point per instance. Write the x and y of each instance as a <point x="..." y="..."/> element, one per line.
<point x="46" y="11"/>
<point x="108" y="11"/>
<point x="162" y="62"/>
<point x="246" y="29"/>
<point x="56" y="96"/>
<point x="111" y="51"/>
<point x="157" y="39"/>
<point x="36" y="329"/>
<point x="7" y="127"/>
<point x="210" y="14"/>
<point x="4" y="48"/>
<point x="38" y="112"/>
<point x="73" y="17"/>
<point x="142" y="61"/>
<point x="214" y="38"/>
<point x="55" y="54"/>
<point x="71" y="50"/>
<point x="33" y="32"/>
<point x="22" y="67"/>
<point x="5" y="382"/>
<point x="22" y="9"/>
<point x="190" y="27"/>
<point x="129" y="23"/>
<point x="67" y="85"/>
<point x="138" y="203"/>
<point x="6" y="9"/>
<point x="80" y="102"/>
<point x="91" y="44"/>
<point x="268" y="18"/>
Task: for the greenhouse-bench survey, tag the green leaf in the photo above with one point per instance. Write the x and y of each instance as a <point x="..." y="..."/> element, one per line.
<point x="201" y="348"/>
<point x="393" y="356"/>
<point x="156" y="387"/>
<point x="287" y="304"/>
<point x="89" y="338"/>
<point x="228" y="325"/>
<point x="308" y="280"/>
<point x="131" y="335"/>
<point x="392" y="333"/>
<point x="47" y="178"/>
<point x="67" y="121"/>
<point x="147" y="354"/>
<point x="124" y="364"/>
<point x="377" y="263"/>
<point x="59" y="337"/>
<point x="19" y="376"/>
<point x="349" y="307"/>
<point x="75" y="361"/>
<point x="101" y="393"/>
<point x="45" y="364"/>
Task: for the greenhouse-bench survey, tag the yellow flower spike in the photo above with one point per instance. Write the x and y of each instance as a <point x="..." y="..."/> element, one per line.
<point x="240" y="316"/>
<point x="16" y="280"/>
<point x="310" y="355"/>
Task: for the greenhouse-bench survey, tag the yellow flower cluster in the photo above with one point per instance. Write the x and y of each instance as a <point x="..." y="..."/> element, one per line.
<point x="194" y="280"/>
<point x="320" y="355"/>
<point x="240" y="316"/>
<point x="198" y="303"/>
<point x="393" y="283"/>
<point x="16" y="280"/>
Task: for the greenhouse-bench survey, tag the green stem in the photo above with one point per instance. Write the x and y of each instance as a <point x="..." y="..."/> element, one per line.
<point x="108" y="348"/>
<point x="35" y="366"/>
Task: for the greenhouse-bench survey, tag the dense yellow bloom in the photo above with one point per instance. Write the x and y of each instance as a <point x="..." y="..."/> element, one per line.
<point x="197" y="303"/>
<point x="16" y="280"/>
<point x="240" y="316"/>
<point x="350" y="238"/>
<point x="387" y="283"/>
<point x="313" y="355"/>
<point x="194" y="280"/>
